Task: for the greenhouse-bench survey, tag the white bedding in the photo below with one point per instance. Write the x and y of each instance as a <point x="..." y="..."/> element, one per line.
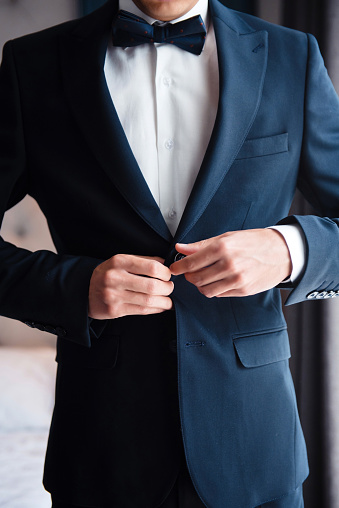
<point x="27" y="380"/>
<point x="21" y="469"/>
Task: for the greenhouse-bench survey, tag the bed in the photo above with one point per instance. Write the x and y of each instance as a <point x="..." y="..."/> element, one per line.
<point x="27" y="379"/>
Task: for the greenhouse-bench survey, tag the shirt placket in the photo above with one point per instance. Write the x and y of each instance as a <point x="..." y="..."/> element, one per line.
<point x="166" y="136"/>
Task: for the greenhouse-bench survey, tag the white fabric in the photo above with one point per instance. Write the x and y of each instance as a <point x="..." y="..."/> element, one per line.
<point x="21" y="469"/>
<point x="177" y="92"/>
<point x="27" y="380"/>
<point x="296" y="243"/>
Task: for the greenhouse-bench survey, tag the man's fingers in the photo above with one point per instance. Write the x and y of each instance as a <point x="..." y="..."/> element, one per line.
<point x="213" y="273"/>
<point x="127" y="284"/>
<point x="150" y="267"/>
<point x="133" y="310"/>
<point x="131" y="282"/>
<point x="224" y="287"/>
<point x="118" y="304"/>
<point x="149" y="301"/>
<point x="193" y="262"/>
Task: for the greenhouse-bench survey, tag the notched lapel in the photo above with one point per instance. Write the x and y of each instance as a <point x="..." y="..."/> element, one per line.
<point x="242" y="67"/>
<point x="82" y="61"/>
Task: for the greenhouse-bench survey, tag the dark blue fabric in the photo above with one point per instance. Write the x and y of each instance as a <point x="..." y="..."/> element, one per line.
<point x="117" y="413"/>
<point x="87" y="6"/>
<point x="130" y="30"/>
<point x="292" y="500"/>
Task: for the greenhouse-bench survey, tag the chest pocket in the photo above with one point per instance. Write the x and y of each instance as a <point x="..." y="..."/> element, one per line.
<point x="261" y="147"/>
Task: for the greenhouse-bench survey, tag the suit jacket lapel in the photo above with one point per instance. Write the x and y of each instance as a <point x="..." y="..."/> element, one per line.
<point x="82" y="60"/>
<point x="242" y="57"/>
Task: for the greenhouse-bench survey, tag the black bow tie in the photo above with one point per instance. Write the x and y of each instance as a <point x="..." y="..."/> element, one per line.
<point x="130" y="30"/>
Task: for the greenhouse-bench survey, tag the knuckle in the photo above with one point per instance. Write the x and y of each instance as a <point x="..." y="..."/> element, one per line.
<point x="196" y="281"/>
<point x="153" y="269"/>
<point x="222" y="247"/>
<point x="109" y="278"/>
<point x="106" y="295"/>
<point x="225" y="264"/>
<point x="148" y="300"/>
<point x="151" y="286"/>
<point x="231" y="266"/>
<point x="117" y="260"/>
<point x="239" y="280"/>
<point x="189" y="264"/>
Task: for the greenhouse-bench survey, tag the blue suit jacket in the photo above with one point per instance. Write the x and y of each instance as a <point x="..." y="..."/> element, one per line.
<point x="116" y="430"/>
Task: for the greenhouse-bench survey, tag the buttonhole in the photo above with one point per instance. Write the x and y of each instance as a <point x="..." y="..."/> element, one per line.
<point x="195" y="343"/>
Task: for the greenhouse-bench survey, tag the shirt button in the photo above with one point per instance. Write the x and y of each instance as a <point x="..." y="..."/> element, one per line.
<point x="169" y="144"/>
<point x="172" y="214"/>
<point x="167" y="81"/>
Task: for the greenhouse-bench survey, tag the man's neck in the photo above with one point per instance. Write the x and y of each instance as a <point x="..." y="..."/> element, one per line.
<point x="200" y="8"/>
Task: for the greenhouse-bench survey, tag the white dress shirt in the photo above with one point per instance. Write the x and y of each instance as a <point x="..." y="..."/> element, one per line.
<point x="166" y="99"/>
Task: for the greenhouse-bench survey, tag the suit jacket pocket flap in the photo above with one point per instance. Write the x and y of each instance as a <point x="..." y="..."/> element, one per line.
<point x="262" y="348"/>
<point x="101" y="355"/>
<point x="264" y="146"/>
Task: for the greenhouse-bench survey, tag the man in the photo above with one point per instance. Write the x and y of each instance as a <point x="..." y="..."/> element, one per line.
<point x="137" y="153"/>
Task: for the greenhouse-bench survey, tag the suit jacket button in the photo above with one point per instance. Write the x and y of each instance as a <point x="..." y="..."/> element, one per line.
<point x="60" y="331"/>
<point x="330" y="294"/>
<point x="179" y="256"/>
<point x="313" y="295"/>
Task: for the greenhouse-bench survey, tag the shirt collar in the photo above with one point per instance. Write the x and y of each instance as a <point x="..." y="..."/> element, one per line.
<point x="200" y="8"/>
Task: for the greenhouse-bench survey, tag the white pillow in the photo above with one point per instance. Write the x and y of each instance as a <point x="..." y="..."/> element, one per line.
<point x="27" y="383"/>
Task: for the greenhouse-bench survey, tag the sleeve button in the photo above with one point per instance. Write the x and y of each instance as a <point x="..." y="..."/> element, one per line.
<point x="313" y="295"/>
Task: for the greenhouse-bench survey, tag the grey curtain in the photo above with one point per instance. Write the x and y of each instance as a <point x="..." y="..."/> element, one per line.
<point x="314" y="325"/>
<point x="331" y="311"/>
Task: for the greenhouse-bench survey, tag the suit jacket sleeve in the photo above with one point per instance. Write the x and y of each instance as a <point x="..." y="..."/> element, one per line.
<point x="319" y="180"/>
<point x="45" y="290"/>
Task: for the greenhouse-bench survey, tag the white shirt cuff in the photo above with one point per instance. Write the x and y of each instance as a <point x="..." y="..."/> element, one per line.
<point x="296" y="243"/>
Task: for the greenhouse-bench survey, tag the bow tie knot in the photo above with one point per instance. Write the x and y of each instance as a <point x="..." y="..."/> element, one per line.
<point x="130" y="30"/>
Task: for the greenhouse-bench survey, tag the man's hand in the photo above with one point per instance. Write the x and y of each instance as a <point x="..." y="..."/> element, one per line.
<point x="238" y="263"/>
<point x="128" y="285"/>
